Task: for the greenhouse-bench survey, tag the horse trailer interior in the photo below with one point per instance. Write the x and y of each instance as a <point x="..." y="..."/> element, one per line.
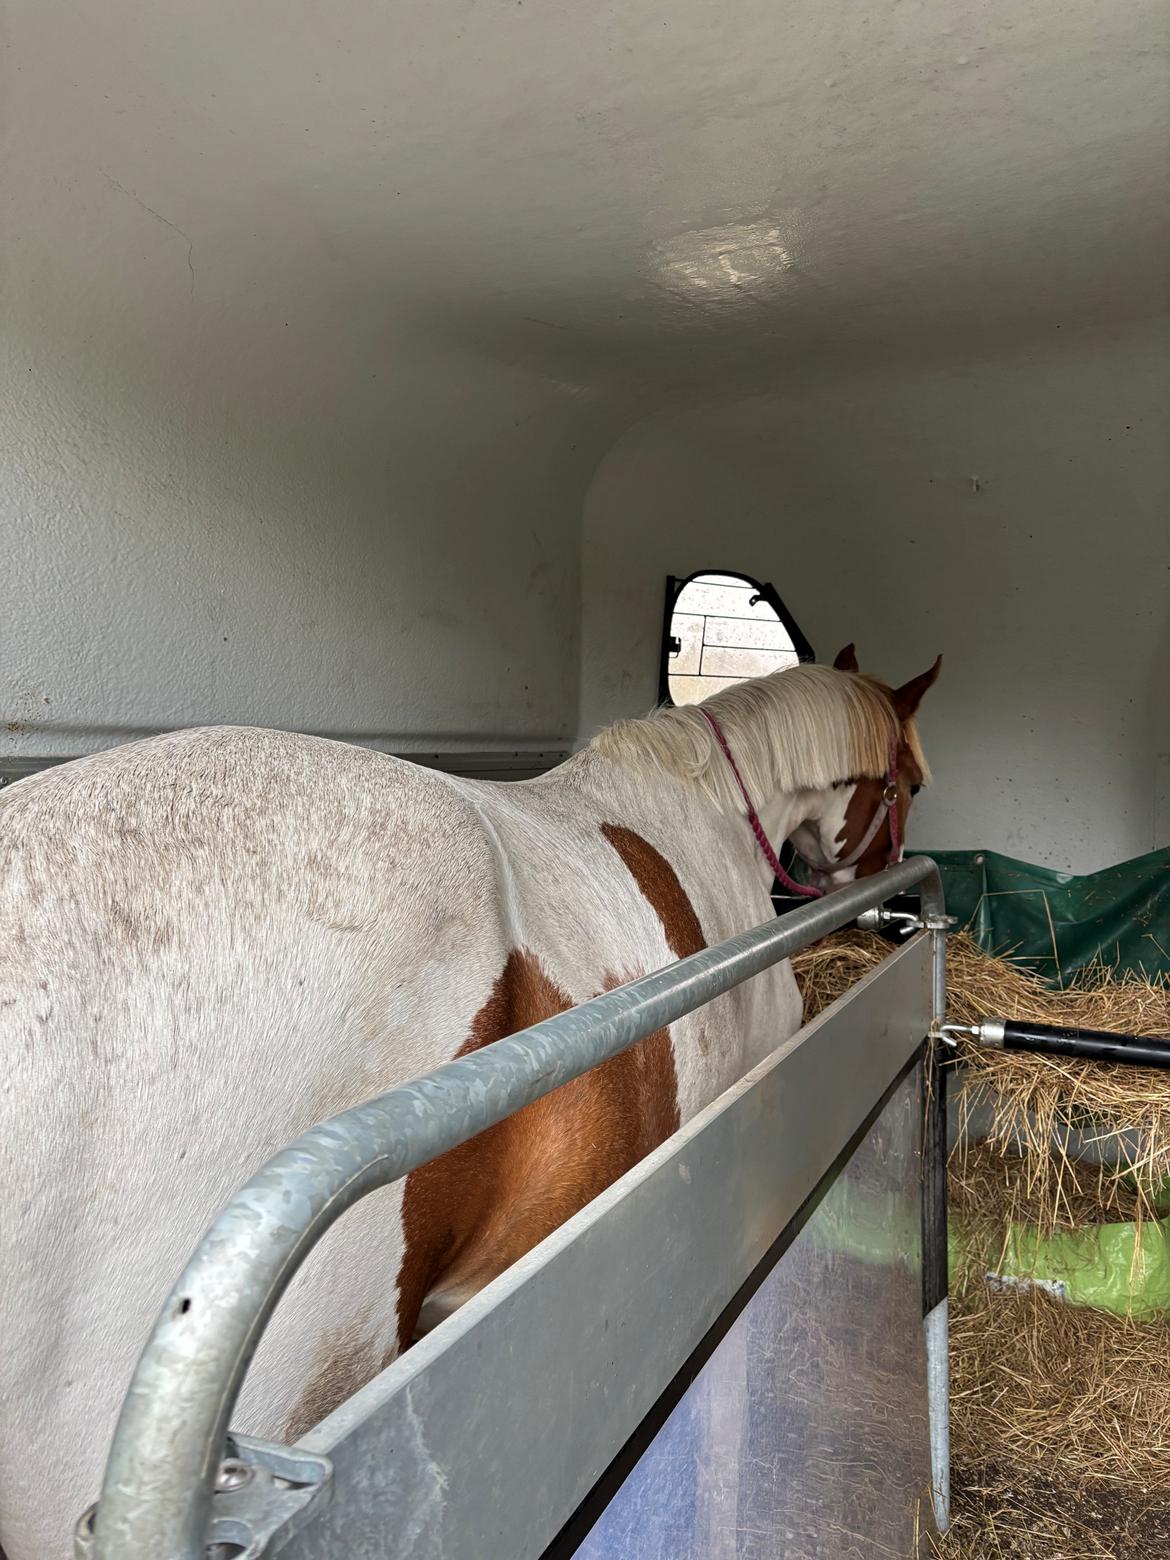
<point x="457" y="382"/>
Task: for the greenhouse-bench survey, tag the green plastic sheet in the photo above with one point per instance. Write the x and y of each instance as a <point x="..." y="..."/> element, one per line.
<point x="1059" y="923"/>
<point x="1105" y="1266"/>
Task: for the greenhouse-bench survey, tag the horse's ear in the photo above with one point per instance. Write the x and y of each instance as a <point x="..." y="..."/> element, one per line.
<point x="909" y="696"/>
<point x="846" y="660"/>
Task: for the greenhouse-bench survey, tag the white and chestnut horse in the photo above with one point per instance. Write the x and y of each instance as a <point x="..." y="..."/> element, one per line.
<point x="213" y="939"/>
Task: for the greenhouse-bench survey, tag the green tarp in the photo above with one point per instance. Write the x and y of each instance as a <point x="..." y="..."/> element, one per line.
<point x="1059" y="923"/>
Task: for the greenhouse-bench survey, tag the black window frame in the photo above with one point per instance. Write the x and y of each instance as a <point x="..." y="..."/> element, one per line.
<point x="765" y="591"/>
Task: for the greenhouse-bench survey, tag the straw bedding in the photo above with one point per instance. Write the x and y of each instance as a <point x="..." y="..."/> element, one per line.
<point x="1061" y="1414"/>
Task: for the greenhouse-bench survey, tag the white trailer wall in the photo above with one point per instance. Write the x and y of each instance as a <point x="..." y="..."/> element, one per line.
<point x="262" y="550"/>
<point x="254" y="470"/>
<point x="1013" y="513"/>
<point x="181" y="552"/>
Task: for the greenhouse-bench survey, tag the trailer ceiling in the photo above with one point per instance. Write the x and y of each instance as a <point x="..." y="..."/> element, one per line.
<point x="634" y="197"/>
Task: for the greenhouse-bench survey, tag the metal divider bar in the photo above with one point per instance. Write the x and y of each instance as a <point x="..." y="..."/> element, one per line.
<point x="157" y="1493"/>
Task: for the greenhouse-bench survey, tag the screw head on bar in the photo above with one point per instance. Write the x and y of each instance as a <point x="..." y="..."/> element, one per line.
<point x="233" y="1474"/>
<point x="83" y="1534"/>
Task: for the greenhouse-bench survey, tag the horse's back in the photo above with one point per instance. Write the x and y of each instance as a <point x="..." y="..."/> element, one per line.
<point x="208" y="942"/>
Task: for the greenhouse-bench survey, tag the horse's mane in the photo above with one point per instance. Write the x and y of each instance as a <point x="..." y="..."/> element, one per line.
<point x="797" y="730"/>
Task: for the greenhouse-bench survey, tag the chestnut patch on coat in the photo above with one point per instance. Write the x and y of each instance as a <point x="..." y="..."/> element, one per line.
<point x="865" y="801"/>
<point x="659" y="883"/>
<point x="472" y="1212"/>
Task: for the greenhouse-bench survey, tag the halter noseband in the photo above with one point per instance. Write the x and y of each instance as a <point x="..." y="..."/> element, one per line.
<point x="886" y="807"/>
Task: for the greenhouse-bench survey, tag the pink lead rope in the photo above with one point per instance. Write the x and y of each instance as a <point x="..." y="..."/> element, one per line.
<point x="805" y="890"/>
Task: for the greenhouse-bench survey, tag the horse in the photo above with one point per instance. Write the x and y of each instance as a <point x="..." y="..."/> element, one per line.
<point x="214" y="938"/>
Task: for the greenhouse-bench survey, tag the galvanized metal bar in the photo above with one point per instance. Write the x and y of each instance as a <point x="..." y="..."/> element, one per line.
<point x="935" y="1253"/>
<point x="156" y="1496"/>
<point x="936" y="1326"/>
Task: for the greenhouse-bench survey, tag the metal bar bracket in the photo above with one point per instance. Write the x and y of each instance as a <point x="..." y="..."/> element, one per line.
<point x="264" y="1494"/>
<point x="906" y="921"/>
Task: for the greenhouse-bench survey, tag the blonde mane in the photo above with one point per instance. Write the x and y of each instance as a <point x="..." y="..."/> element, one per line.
<point x="797" y="730"/>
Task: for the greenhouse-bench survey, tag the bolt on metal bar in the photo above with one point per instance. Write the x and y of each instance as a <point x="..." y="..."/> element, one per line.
<point x="156" y="1496"/>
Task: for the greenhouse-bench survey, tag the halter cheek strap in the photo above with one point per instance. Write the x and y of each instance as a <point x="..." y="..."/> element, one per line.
<point x="887" y="807"/>
<point x="892" y="805"/>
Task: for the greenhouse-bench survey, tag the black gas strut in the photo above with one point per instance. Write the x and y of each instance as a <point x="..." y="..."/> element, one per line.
<point x="1094" y="1045"/>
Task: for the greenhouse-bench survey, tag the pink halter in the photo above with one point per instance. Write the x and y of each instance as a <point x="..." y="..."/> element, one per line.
<point x="888" y="806"/>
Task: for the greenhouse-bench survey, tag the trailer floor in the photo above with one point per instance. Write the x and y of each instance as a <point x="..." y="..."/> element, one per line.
<point x="999" y="1516"/>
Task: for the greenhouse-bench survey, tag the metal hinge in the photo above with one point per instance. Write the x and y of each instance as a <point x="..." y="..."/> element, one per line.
<point x="264" y="1493"/>
<point x="988" y="1031"/>
<point x="906" y="921"/>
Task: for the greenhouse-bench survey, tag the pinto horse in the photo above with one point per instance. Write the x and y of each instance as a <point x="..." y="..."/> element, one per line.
<point x="212" y="939"/>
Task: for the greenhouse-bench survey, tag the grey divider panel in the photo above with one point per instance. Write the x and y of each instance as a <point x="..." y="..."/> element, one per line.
<point x="485" y="1437"/>
<point x="806" y="1433"/>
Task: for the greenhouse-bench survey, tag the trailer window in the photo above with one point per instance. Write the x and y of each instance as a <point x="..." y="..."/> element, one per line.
<point x="720" y="629"/>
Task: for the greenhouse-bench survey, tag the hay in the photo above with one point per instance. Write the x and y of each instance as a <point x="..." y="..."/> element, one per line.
<point x="1061" y="1415"/>
<point x="1036" y="1099"/>
<point x="1058" y="1391"/>
<point x="989" y="1188"/>
<point x="1060" y="1430"/>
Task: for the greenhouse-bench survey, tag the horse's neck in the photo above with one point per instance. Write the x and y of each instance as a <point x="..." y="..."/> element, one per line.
<point x="780" y="815"/>
<point x="665" y="805"/>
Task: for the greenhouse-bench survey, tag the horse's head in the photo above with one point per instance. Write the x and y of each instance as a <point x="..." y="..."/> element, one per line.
<point x="860" y="826"/>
